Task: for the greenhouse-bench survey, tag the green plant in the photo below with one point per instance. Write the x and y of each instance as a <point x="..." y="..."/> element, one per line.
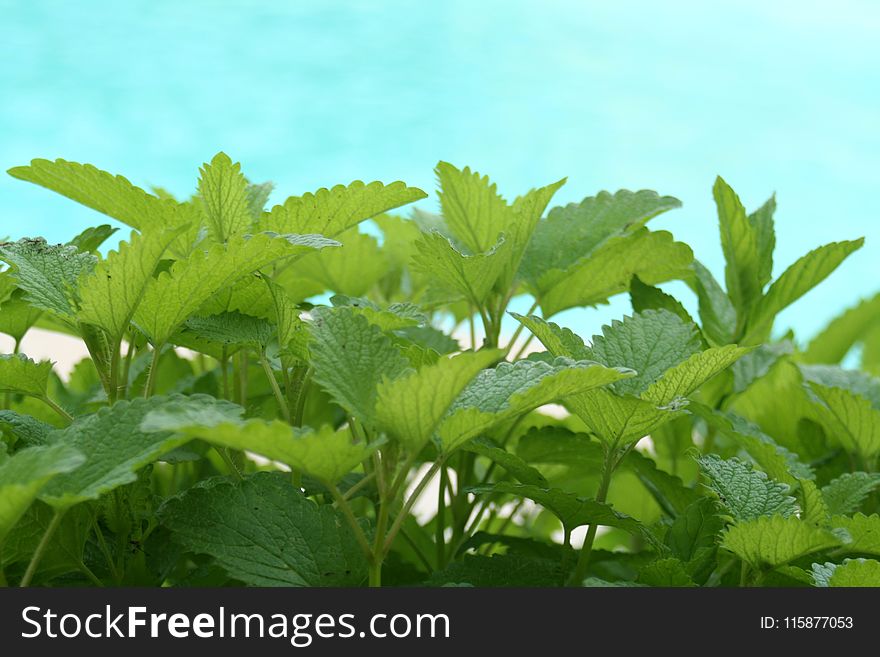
<point x="227" y="429"/>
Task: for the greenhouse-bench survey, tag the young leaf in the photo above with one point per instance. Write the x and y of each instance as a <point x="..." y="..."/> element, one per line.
<point x="717" y="314"/>
<point x="852" y="572"/>
<point x="621" y="419"/>
<point x="48" y="274"/>
<point x="178" y="293"/>
<point x="472" y="207"/>
<point x="231" y="328"/>
<point x="351" y="357"/>
<point x="20" y="374"/>
<point x="746" y="493"/>
<point x="25" y="473"/>
<point x="846" y="493"/>
<point x="90" y="239"/>
<point x="411" y="406"/>
<point x="332" y="211"/>
<point x="515" y="466"/>
<point x="393" y="318"/>
<point x="265" y="532"/>
<point x="647" y="297"/>
<point x="682" y="379"/>
<point x="850" y="419"/>
<point x="739" y="241"/>
<point x="861" y="533"/>
<point x="812" y="505"/>
<point x="558" y="341"/>
<point x="761" y="221"/>
<point x="224" y="192"/>
<point x="797" y="280"/>
<point x="839" y="336"/>
<point x="110" y="295"/>
<point x="771" y="541"/>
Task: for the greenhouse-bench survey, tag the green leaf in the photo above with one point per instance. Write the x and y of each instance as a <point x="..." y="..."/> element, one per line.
<point x="739" y="242"/>
<point x="332" y="211"/>
<point x="813" y="508"/>
<point x="178" y="293"/>
<point x="855" y="381"/>
<point x="757" y="363"/>
<point x="25" y="473"/>
<point x="746" y="493"/>
<point x="558" y="341"/>
<point x="849" y="418"/>
<point x="861" y="533"/>
<point x="668" y="490"/>
<point x="231" y="328"/>
<point x="846" y="493"/>
<point x="48" y="274"/>
<point x="647" y="297"/>
<point x="652" y="256"/>
<point x="396" y="316"/>
<point x="717" y="314"/>
<point x="510" y="389"/>
<point x="558" y="446"/>
<point x="472" y="207"/>
<point x="576" y="230"/>
<point x="770" y="541"/>
<point x="851" y="573"/>
<point x="617" y="419"/>
<point x="669" y="572"/>
<point x="26" y="431"/>
<point x="761" y="221"/>
<point x="265" y="532"/>
<point x="110" y="295"/>
<point x="500" y="570"/>
<point x="693" y="535"/>
<point x="20" y="374"/>
<point x="111" y="195"/>
<point x="515" y="466"/>
<point x="257" y="197"/>
<point x="797" y="280"/>
<point x="838" y="337"/>
<point x="90" y="239"/>
<point x="351" y="357"/>
<point x="224" y="193"/>
<point x="17" y="316"/>
<point x="683" y="379"/>
<point x="411" y="407"/>
<point x="649" y="343"/>
<point x="572" y="511"/>
<point x="115" y="448"/>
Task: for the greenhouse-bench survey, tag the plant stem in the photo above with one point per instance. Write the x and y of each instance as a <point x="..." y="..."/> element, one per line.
<point x="151" y="375"/>
<point x="359" y="535"/>
<point x="378" y="544"/>
<point x="744" y="574"/>
<point x="525" y="346"/>
<point x="243" y="375"/>
<point x="276" y="390"/>
<point x="233" y="469"/>
<point x="583" y="563"/>
<point x="473" y="332"/>
<point x="520" y="328"/>
<point x="366" y="479"/>
<point x="90" y="575"/>
<point x="224" y="372"/>
<point x="55" y="407"/>
<point x="408" y="505"/>
<point x="129" y="354"/>
<point x="102" y="544"/>
<point x="41" y="548"/>
<point x="113" y="392"/>
<point x="440" y="522"/>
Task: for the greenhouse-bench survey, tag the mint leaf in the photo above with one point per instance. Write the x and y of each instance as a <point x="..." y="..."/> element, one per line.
<point x="647" y="297"/>
<point x="225" y="195"/>
<point x="717" y="313"/>
<point x="519" y="469"/>
<point x="684" y="378"/>
<point x="852" y="572"/>
<point x="90" y="239"/>
<point x="668" y="490"/>
<point x="264" y="532"/>
<point x="860" y="533"/>
<point x="20" y="374"/>
<point x="849" y="418"/>
<point x="231" y="328"/>
<point x="746" y="493"/>
<point x="838" y="337"/>
<point x="771" y="541"/>
<point x="621" y="419"/>
<point x="471" y="206"/>
<point x="846" y="493"/>
<point x="761" y="221"/>
<point x="668" y="572"/>
<point x="395" y="317"/>
<point x="559" y="341"/>
<point x="739" y="241"/>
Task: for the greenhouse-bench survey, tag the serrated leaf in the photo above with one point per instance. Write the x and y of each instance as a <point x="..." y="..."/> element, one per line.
<point x="683" y="379"/>
<point x="574" y="231"/>
<point x="855" y="381"/>
<point x="838" y="337"/>
<point x="668" y="572"/>
<point x="115" y="448"/>
<point x="332" y="211"/>
<point x="667" y="489"/>
<point x="25" y="473"/>
<point x="515" y="466"/>
<point x="851" y="573"/>
<point x="178" y="293"/>
<point x="110" y="295"/>
<point x="771" y="541"/>
<point x="231" y="328"/>
<point x="860" y="533"/>
<point x="717" y="314"/>
<point x="849" y="418"/>
<point x="652" y="256"/>
<point x="351" y="357"/>
<point x="25" y="429"/>
<point x="90" y="239"/>
<point x="411" y="407"/>
<point x="471" y="206"/>
<point x="621" y="419"/>
<point x="257" y="197"/>
<point x="649" y="343"/>
<point x="846" y="493"/>
<point x="797" y="280"/>
<point x="510" y="389"/>
<point x="647" y="297"/>
<point x="47" y="273"/>
<point x="739" y="242"/>
<point x="396" y="316"/>
<point x="111" y="195"/>
<point x="813" y="508"/>
<point x="265" y="532"/>
<point x="224" y="194"/>
<point x="559" y="341"/>
<point x="20" y="374"/>
<point x="746" y="493"/>
<point x="694" y="533"/>
<point x="555" y="445"/>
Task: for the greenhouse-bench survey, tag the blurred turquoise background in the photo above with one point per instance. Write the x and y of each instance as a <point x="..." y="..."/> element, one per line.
<point x="781" y="96"/>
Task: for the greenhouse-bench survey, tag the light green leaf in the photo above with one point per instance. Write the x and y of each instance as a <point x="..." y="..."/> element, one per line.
<point x="351" y="357"/>
<point x="647" y="297"/>
<point x="797" y="280"/>
<point x="90" y="239"/>
<point x="838" y="337"/>
<point x="652" y="256"/>
<point x="851" y="573"/>
<point x="846" y="493"/>
<point x="111" y="195"/>
<point x="621" y="419"/>
<point x="813" y="508"/>
<point x="265" y="532"/>
<point x="17" y="316"/>
<point x="472" y="207"/>
<point x="761" y="221"/>
<point x="668" y="572"/>
<point x="115" y="448"/>
<point x="746" y="493"/>
<point x="849" y="418"/>
<point x="682" y="379"/>
<point x="855" y="381"/>
<point x="717" y="313"/>
<point x="25" y="473"/>
<point x="411" y="406"/>
<point x="231" y="328"/>
<point x="559" y="341"/>
<point x="257" y="197"/>
<point x="510" y="389"/>
<point x="668" y="490"/>
<point x="757" y="363"/>
<point x="332" y="211"/>
<point x="110" y="295"/>
<point x="396" y="316"/>
<point x="771" y="541"/>
<point x="515" y="466"/>
<point x="20" y="374"/>
<point x="649" y="343"/>
<point x="47" y="273"/>
<point x="224" y="193"/>
<point x="178" y="293"/>
<point x="739" y="242"/>
<point x="861" y="533"/>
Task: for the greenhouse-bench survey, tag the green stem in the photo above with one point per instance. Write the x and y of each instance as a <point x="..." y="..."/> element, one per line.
<point x="415" y="548"/>
<point x="301" y="397"/>
<point x="525" y="345"/>
<point x="583" y="563"/>
<point x="129" y="354"/>
<point x="224" y="373"/>
<point x="41" y="547"/>
<point x="113" y="392"/>
<point x="7" y="397"/>
<point x="359" y="535"/>
<point x="102" y="544"/>
<point x="520" y="328"/>
<point x="151" y="375"/>
<point x="90" y="575"/>
<point x="378" y="543"/>
<point x="243" y="376"/>
<point x="366" y="479"/>
<point x="472" y="325"/>
<point x="233" y="469"/>
<point x="744" y="574"/>
<point x="55" y="407"/>
<point x="440" y="522"/>
<point x="408" y="505"/>
<point x="276" y="390"/>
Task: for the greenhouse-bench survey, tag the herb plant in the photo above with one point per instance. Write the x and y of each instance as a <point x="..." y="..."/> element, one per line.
<point x="281" y="397"/>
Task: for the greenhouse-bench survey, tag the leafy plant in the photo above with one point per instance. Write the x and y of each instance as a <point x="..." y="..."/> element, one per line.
<point x="270" y="394"/>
